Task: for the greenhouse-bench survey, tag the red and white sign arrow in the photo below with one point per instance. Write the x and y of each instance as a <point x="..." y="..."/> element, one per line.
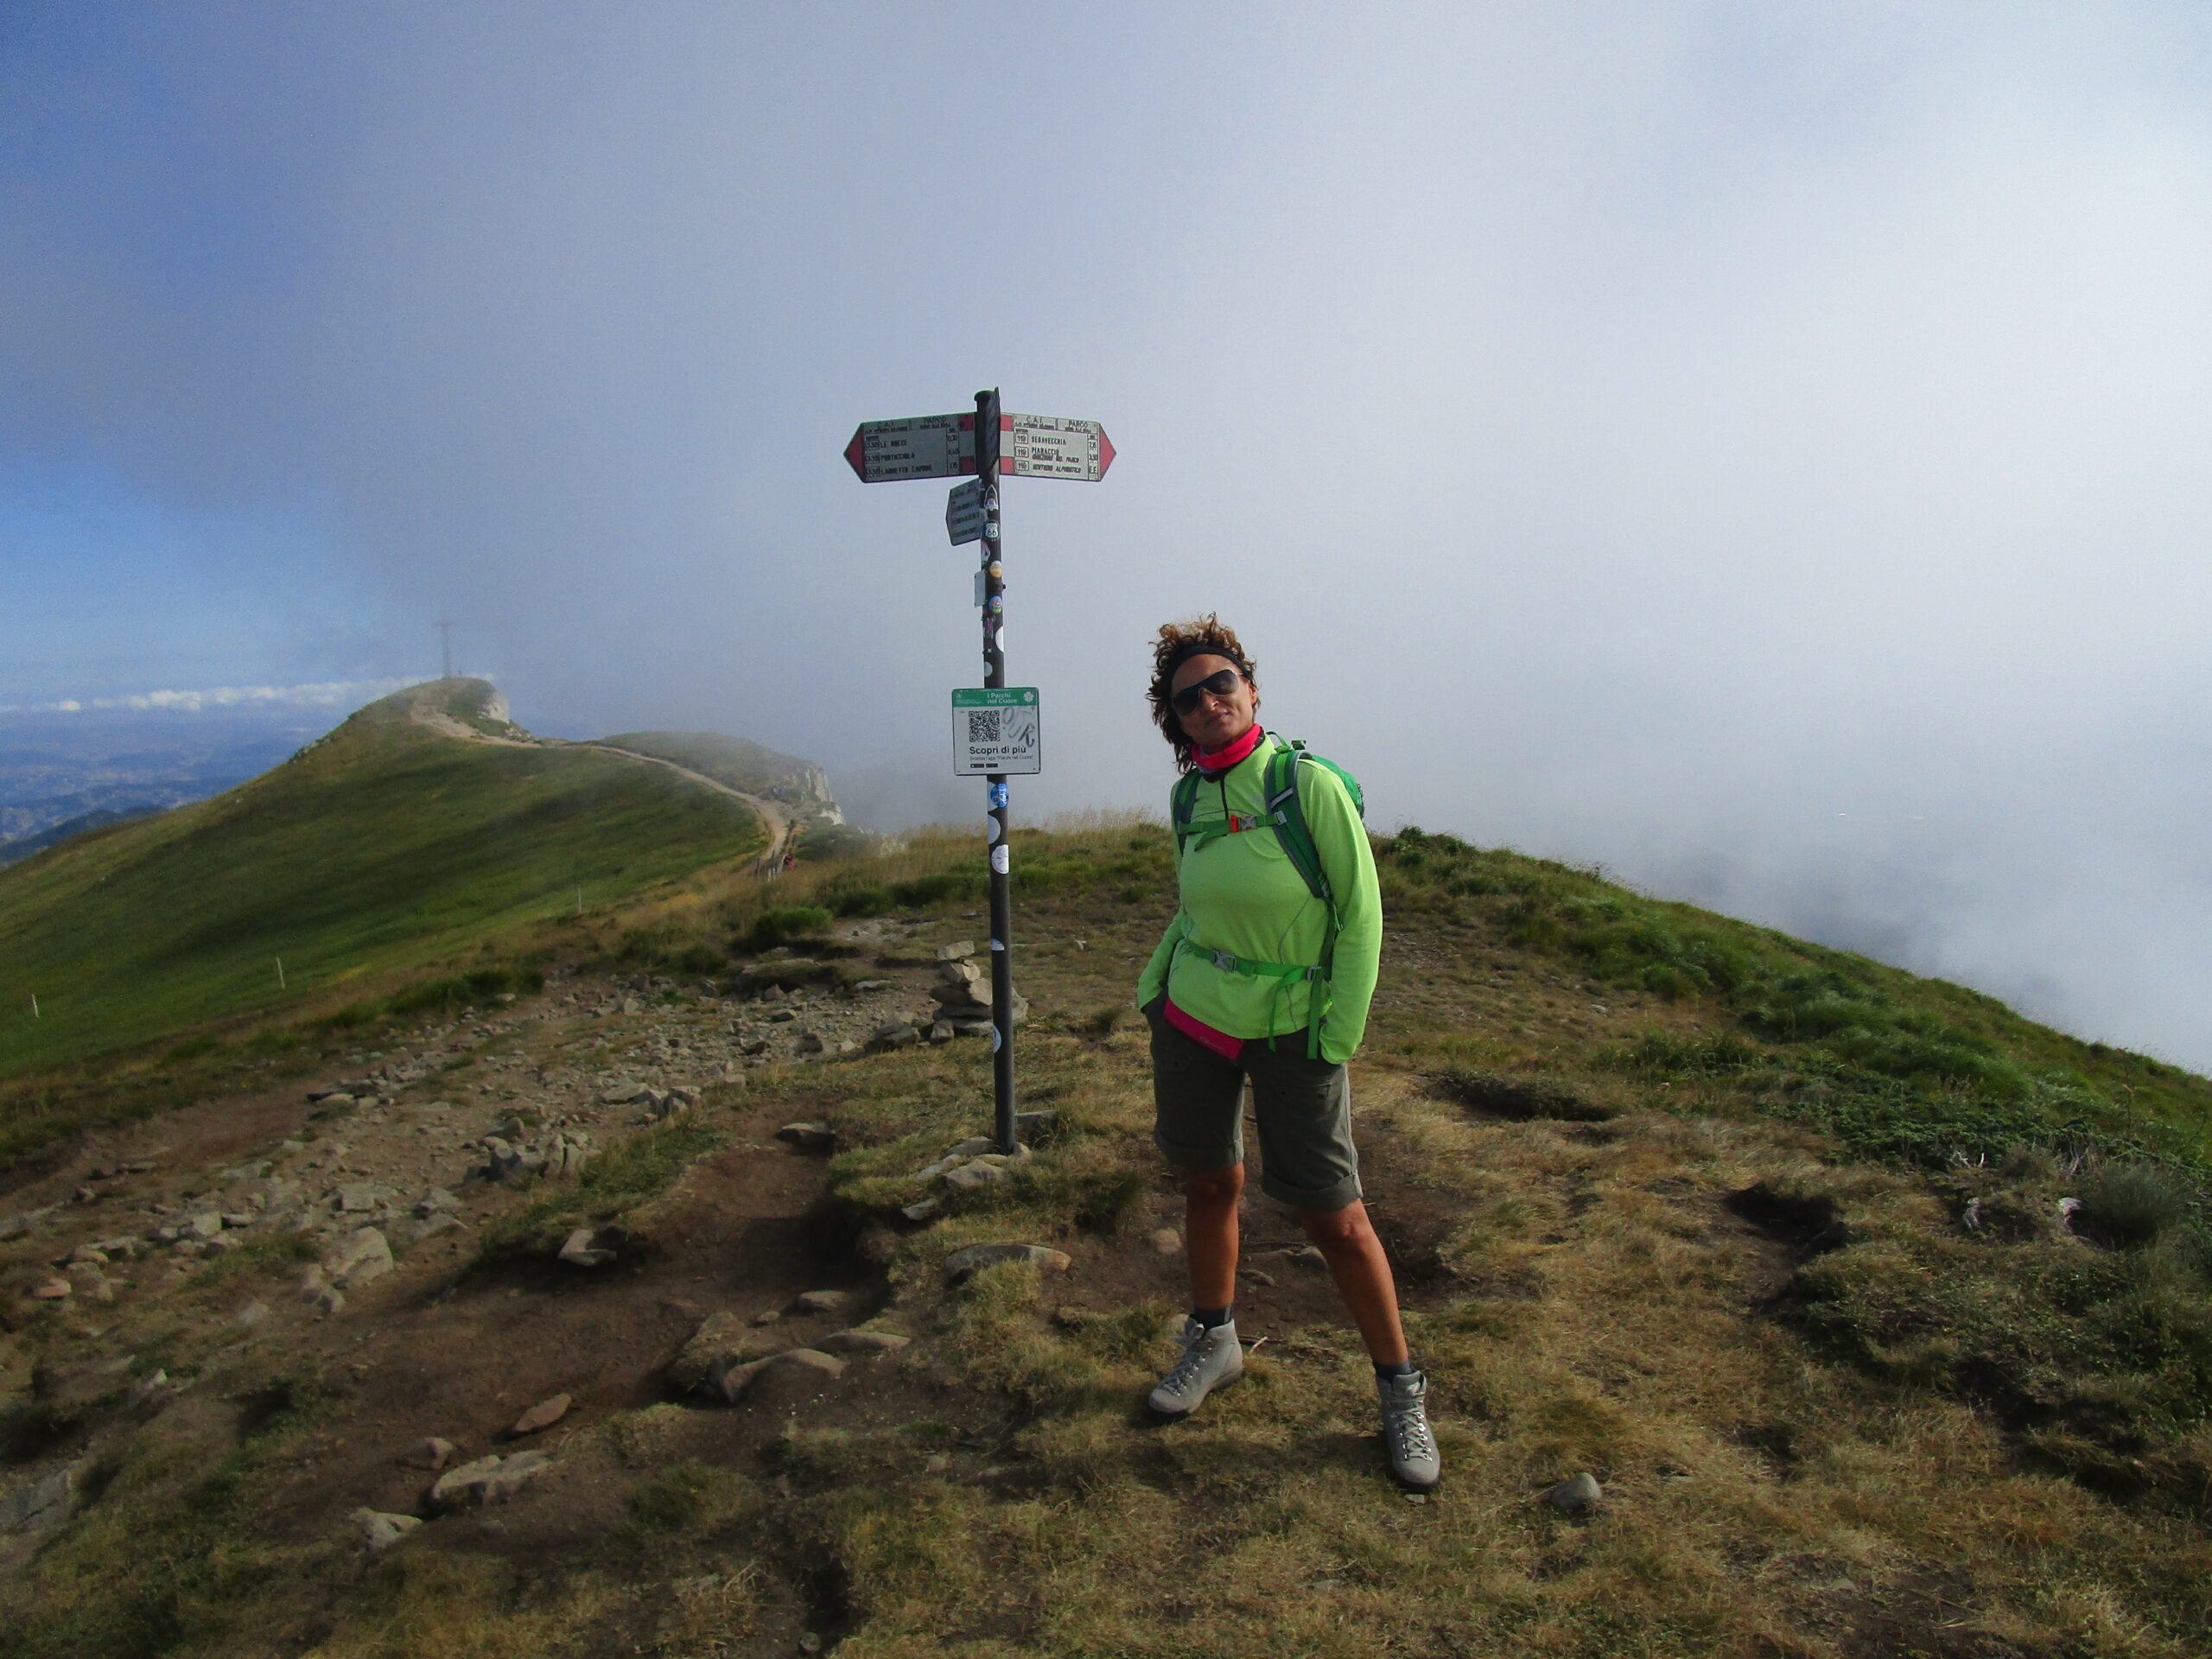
<point x="944" y="446"/>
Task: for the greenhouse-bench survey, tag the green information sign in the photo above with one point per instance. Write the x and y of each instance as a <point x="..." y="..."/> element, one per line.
<point x="995" y="730"/>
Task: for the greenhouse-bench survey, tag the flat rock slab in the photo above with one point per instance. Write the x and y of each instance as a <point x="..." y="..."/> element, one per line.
<point x="578" y="1252"/>
<point x="43" y="1505"/>
<point x="818" y="1138"/>
<point x="543" y="1414"/>
<point x="722" y="1340"/>
<point x="975" y="1174"/>
<point x="962" y="1264"/>
<point x="360" y="1257"/>
<point x="821" y="1301"/>
<point x="487" y="1480"/>
<point x="733" y="1382"/>
<point x="863" y="1341"/>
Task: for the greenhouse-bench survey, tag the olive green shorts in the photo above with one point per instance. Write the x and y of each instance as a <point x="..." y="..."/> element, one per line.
<point x="1303" y="1107"/>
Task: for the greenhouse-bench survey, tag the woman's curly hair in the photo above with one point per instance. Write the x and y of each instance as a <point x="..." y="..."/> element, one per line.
<point x="1180" y="639"/>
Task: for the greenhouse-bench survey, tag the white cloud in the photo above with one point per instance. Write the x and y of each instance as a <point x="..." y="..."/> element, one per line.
<point x="1756" y="448"/>
<point x="321" y="694"/>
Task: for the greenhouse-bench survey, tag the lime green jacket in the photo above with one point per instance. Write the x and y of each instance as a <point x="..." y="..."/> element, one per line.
<point x="1242" y="894"/>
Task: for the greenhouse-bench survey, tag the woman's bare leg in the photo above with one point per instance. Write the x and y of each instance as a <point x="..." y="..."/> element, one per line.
<point x="1210" y="1233"/>
<point x="1356" y="1261"/>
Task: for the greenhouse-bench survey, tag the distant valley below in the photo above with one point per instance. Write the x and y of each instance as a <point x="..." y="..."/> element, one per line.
<point x="101" y="766"/>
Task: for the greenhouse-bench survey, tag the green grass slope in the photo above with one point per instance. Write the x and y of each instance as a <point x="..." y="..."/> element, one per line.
<point x="380" y="848"/>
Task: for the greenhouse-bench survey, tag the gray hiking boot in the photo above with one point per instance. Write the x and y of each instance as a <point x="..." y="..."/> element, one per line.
<point x="1406" y="1439"/>
<point x="1211" y="1359"/>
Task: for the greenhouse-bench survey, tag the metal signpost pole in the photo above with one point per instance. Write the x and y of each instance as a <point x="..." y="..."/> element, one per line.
<point x="987" y="474"/>
<point x="995" y="729"/>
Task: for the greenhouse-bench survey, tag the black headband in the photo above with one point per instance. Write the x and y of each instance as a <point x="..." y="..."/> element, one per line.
<point x="1201" y="648"/>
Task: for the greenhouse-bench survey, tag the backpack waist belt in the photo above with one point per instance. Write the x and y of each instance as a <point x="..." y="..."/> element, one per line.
<point x="1285" y="974"/>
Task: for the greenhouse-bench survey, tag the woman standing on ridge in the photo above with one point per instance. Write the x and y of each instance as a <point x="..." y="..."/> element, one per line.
<point x="1266" y="972"/>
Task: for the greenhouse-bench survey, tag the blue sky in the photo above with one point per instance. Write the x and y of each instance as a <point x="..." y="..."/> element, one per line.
<point x="1755" y="447"/>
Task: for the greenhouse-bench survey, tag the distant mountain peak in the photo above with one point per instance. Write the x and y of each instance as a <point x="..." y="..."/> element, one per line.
<point x="461" y="707"/>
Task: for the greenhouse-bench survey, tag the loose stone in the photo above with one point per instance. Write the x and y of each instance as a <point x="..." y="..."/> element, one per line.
<point x="363" y="1255"/>
<point x="487" y="1480"/>
<point x="1577" y="1494"/>
<point x="542" y="1416"/>
<point x="962" y="1264"/>
<point x="733" y="1382"/>
<point x="578" y="1252"/>
<point x="431" y="1453"/>
<point x="380" y="1531"/>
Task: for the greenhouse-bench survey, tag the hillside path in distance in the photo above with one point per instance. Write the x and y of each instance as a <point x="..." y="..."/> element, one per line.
<point x="777" y="821"/>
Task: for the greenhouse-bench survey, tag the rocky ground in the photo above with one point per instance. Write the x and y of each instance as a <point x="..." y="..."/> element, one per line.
<point x="262" y="1222"/>
<point x="646" y="1315"/>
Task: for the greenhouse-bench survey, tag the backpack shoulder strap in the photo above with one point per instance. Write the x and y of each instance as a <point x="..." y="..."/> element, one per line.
<point x="1288" y="813"/>
<point x="1182" y="801"/>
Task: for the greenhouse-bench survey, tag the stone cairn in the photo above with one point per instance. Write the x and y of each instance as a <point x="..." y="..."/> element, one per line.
<point x="962" y="992"/>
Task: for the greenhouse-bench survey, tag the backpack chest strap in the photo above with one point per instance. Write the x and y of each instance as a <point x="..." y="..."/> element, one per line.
<point x="1236" y="823"/>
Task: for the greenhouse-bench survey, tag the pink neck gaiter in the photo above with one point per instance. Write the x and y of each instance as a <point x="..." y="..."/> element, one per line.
<point x="1216" y="761"/>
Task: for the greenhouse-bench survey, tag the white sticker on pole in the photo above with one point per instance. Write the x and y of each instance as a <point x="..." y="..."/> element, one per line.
<point x="994" y="730"/>
<point x="999" y="860"/>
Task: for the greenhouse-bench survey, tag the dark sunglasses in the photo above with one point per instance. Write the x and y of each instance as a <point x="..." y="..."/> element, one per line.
<point x="1221" y="683"/>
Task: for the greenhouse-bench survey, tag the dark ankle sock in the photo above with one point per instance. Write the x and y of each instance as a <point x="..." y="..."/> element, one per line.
<point x="1209" y="1317"/>
<point x="1404" y="1368"/>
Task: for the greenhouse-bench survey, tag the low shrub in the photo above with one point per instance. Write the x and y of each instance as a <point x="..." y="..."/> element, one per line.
<point x="1663" y="1055"/>
<point x="2133" y="1205"/>
<point x="848" y="897"/>
<point x="464" y="990"/>
<point x="785" y="924"/>
<point x="670" y="947"/>
<point x="937" y="888"/>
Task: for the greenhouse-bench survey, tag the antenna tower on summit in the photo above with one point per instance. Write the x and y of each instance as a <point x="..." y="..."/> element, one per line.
<point x="445" y="639"/>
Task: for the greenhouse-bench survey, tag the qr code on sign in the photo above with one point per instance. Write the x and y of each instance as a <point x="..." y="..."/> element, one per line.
<point x="985" y="725"/>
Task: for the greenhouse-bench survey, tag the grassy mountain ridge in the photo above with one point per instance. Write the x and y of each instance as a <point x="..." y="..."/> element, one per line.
<point x="1768" y="1238"/>
<point x="381" y="848"/>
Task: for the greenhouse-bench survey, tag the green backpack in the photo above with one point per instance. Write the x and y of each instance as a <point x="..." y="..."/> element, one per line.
<point x="1285" y="813"/>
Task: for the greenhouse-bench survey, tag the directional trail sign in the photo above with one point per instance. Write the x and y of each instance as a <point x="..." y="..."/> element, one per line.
<point x="1045" y="446"/>
<point x="995" y="732"/>
<point x="925" y="446"/>
<point x="963" y="513"/>
<point x="944" y="446"/>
